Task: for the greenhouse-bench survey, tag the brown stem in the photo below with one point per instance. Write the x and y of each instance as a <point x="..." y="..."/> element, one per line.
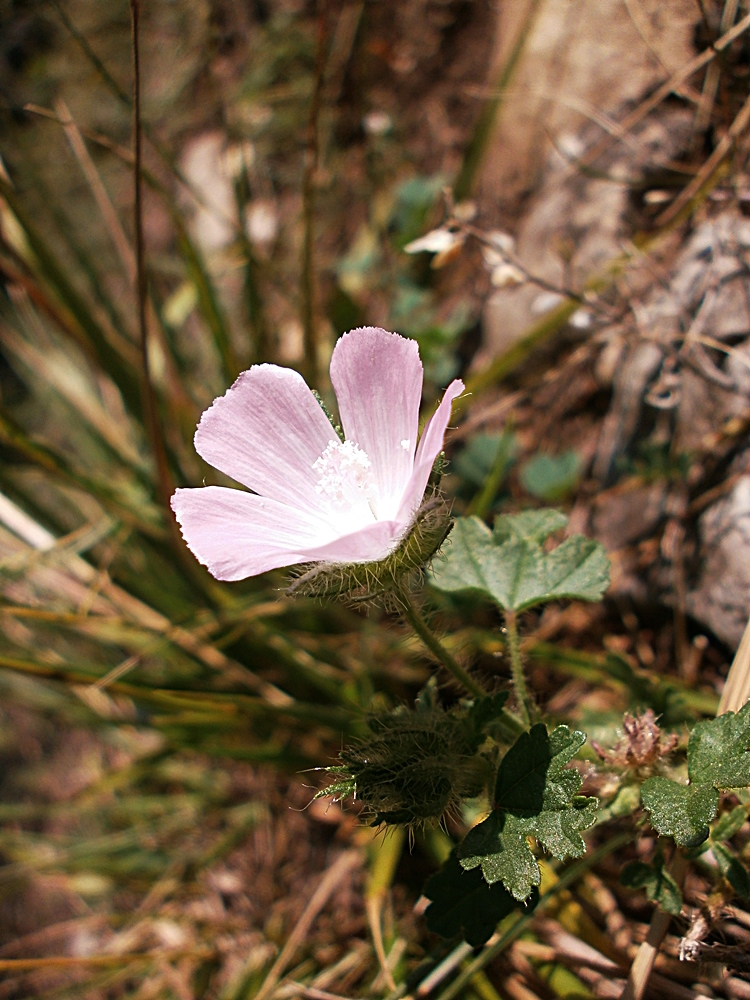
<point x="151" y="416"/>
<point x="312" y="159"/>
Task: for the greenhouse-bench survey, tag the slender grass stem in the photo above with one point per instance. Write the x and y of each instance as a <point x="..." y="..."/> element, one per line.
<point x="525" y="702"/>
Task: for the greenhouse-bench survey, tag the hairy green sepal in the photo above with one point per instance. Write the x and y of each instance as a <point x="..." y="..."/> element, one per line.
<point x="366" y="580"/>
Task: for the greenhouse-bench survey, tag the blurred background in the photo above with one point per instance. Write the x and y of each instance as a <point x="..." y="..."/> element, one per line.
<point x="579" y="171"/>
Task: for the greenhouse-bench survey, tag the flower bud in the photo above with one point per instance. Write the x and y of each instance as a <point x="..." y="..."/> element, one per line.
<point x="416" y="765"/>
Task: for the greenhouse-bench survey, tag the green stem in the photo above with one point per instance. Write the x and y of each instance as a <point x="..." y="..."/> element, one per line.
<point x="414" y="617"/>
<point x="525" y="703"/>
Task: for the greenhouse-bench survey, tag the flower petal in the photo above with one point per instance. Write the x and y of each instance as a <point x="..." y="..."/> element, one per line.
<point x="237" y="534"/>
<point x="266" y="432"/>
<point x="369" y="544"/>
<point x="378" y="381"/>
<point x="430" y="447"/>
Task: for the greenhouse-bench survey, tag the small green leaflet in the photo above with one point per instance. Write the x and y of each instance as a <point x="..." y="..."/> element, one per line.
<point x="730" y="823"/>
<point x="463" y="903"/>
<point x="510" y="566"/>
<point x="660" y="887"/>
<point x="718" y="750"/>
<point x="535" y="795"/>
<point x="680" y="811"/>
<point x="718" y="757"/>
<point x="551" y="477"/>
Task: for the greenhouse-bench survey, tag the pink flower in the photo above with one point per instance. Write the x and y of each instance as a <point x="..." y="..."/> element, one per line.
<point x="315" y="498"/>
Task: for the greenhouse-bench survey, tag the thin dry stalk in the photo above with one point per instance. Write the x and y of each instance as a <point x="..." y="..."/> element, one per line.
<point x="136" y="611"/>
<point x="713" y="75"/>
<point x="709" y="168"/>
<point x="338" y="871"/>
<point x="449" y="964"/>
<point x="309" y="179"/>
<point x="489" y="114"/>
<point x="313" y="993"/>
<point x="516" y="989"/>
<point x="150" y="409"/>
<point x="669" y="86"/>
<point x="643" y="962"/>
<point x="107" y="209"/>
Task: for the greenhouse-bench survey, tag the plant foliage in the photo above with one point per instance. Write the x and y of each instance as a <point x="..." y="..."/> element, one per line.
<point x="511" y="567"/>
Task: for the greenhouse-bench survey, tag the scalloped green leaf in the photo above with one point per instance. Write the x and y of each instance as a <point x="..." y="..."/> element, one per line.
<point x="718" y="750"/>
<point x="535" y="795"/>
<point x="680" y="811"/>
<point x="510" y="566"/>
<point x="463" y="903"/>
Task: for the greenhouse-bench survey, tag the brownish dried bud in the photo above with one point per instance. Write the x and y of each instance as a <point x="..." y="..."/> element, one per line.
<point x="642" y="745"/>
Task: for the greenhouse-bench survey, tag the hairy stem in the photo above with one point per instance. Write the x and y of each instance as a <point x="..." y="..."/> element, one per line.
<point x="417" y="621"/>
<point x="525" y="703"/>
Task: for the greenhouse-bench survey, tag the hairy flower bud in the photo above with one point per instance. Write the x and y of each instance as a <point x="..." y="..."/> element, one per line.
<point x="418" y="765"/>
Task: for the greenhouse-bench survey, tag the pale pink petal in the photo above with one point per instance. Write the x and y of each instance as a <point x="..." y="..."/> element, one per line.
<point x="266" y="432"/>
<point x="430" y="447"/>
<point x="369" y="544"/>
<point x="237" y="534"/>
<point x="378" y="381"/>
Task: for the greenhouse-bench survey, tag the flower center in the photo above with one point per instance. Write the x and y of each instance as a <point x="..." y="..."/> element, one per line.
<point x="344" y="475"/>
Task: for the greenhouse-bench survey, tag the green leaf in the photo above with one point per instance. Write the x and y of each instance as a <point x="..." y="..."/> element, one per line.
<point x="680" y="811"/>
<point x="660" y="887"/>
<point x="718" y="750"/>
<point x="510" y="566"/>
<point x="463" y="903"/>
<point x="535" y="795"/>
<point x="486" y="710"/>
<point x="551" y="477"/>
<point x="533" y="775"/>
<point x="730" y="823"/>
<point x="733" y="870"/>
<point x="529" y="525"/>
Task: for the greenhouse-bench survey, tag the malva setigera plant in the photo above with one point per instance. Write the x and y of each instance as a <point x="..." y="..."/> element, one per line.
<point x="354" y="508"/>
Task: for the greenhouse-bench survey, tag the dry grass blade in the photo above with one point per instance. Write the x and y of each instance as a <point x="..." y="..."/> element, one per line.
<point x="74" y="961"/>
<point x="338" y="871"/>
<point x="137" y="611"/>
<point x="736" y="691"/>
<point x="713" y="75"/>
<point x="385" y="858"/>
<point x="107" y="209"/>
<point x="488" y="117"/>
